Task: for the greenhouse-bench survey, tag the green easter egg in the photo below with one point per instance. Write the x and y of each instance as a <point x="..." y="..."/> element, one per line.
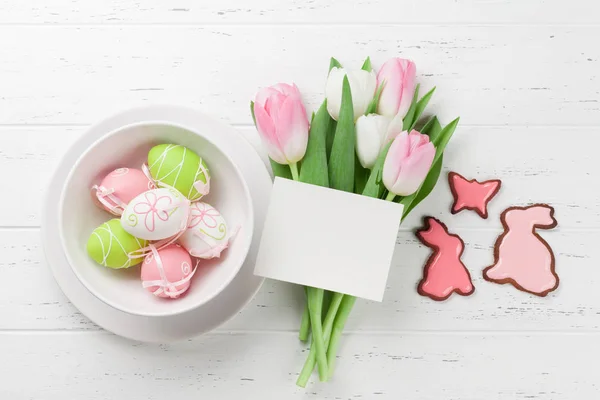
<point x="109" y="245"/>
<point x="179" y="167"/>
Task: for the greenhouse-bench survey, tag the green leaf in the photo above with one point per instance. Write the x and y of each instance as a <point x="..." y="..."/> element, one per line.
<point x="361" y="175"/>
<point x="314" y="164"/>
<point x="440" y="142"/>
<point x="252" y="112"/>
<point x="367" y="65"/>
<point x="420" y="107"/>
<point x="432" y="128"/>
<point x="408" y="118"/>
<point x="330" y="136"/>
<point x="428" y="125"/>
<point x="443" y="138"/>
<point x="375" y="102"/>
<point x="341" y="162"/>
<point x="281" y="170"/>
<point x="334" y="63"/>
<point x="332" y="126"/>
<point x="374" y="186"/>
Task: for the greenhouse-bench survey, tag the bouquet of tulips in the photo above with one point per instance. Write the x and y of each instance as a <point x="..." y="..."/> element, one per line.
<point x="367" y="137"/>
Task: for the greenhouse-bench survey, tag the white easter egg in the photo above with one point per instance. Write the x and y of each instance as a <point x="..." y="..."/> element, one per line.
<point x="156" y="214"/>
<point x="207" y="234"/>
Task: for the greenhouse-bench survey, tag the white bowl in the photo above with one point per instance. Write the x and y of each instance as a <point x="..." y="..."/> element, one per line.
<point x="79" y="216"/>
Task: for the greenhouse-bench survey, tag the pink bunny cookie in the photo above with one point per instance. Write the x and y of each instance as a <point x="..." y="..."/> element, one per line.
<point x="522" y="257"/>
<point x="444" y="273"/>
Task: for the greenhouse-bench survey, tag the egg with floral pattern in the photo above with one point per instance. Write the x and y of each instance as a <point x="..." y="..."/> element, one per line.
<point x="119" y="187"/>
<point x="167" y="272"/>
<point x="207" y="234"/>
<point x="156" y="214"/>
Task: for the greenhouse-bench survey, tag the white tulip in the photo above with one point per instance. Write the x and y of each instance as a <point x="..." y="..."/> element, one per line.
<point x="371" y="136"/>
<point x="362" y="86"/>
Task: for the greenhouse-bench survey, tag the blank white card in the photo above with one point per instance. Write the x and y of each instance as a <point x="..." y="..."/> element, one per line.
<point x="328" y="239"/>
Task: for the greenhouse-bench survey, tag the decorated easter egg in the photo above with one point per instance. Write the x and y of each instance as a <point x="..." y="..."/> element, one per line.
<point x="110" y="245"/>
<point x="119" y="187"/>
<point x="167" y="272"/>
<point x="156" y="214"/>
<point x="176" y="166"/>
<point x="207" y="235"/>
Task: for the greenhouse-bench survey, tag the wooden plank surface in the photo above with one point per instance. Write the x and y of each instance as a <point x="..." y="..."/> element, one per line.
<point x="488" y="75"/>
<point x="417" y="366"/>
<point x="298" y="11"/>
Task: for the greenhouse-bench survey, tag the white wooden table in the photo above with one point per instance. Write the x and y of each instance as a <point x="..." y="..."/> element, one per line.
<point x="524" y="77"/>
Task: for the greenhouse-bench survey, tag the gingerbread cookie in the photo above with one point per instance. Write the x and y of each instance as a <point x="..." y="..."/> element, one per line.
<point x="444" y="273"/>
<point x="472" y="195"/>
<point x="522" y="257"/>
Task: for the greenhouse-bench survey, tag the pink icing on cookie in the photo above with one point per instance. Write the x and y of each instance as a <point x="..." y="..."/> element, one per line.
<point x="444" y="273"/>
<point x="472" y="195"/>
<point x="522" y="257"/>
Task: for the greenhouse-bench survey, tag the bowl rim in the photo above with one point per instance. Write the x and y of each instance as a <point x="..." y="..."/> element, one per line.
<point x="248" y="205"/>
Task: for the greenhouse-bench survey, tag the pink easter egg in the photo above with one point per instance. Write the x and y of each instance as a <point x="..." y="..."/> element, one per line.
<point x="175" y="264"/>
<point x="119" y="187"/>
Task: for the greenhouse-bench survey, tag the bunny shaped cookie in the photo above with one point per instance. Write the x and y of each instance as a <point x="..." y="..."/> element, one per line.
<point x="522" y="257"/>
<point x="444" y="272"/>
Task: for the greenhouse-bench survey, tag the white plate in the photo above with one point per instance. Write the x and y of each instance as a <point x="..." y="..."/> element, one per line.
<point x="191" y="323"/>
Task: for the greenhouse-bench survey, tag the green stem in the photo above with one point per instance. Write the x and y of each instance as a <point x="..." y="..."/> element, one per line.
<point x="390" y="196"/>
<point x="338" y="327"/>
<point x="294" y="169"/>
<point x="311" y="360"/>
<point x="305" y="324"/>
<point x="326" y="302"/>
<point x="315" y="305"/>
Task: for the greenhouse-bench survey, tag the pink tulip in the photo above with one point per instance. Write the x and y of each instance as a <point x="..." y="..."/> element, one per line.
<point x="407" y="163"/>
<point x="398" y="77"/>
<point x="282" y="123"/>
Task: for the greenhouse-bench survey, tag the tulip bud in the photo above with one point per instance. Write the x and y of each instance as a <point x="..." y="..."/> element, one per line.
<point x="407" y="163"/>
<point x="371" y="133"/>
<point x="362" y="86"/>
<point x="282" y="123"/>
<point x="398" y="76"/>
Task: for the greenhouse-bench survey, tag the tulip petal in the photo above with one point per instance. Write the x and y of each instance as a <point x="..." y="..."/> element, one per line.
<point x="399" y="76"/>
<point x="367" y="143"/>
<point x="394" y="160"/>
<point x="395" y="127"/>
<point x="362" y="86"/>
<point x="390" y="100"/>
<point x="370" y="135"/>
<point x="273" y="105"/>
<point x="414" y="170"/>
<point x="263" y="95"/>
<point x="287" y="90"/>
<point x="408" y="86"/>
<point x="333" y="91"/>
<point x="268" y="134"/>
<point x="292" y="129"/>
<point x="417" y="140"/>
